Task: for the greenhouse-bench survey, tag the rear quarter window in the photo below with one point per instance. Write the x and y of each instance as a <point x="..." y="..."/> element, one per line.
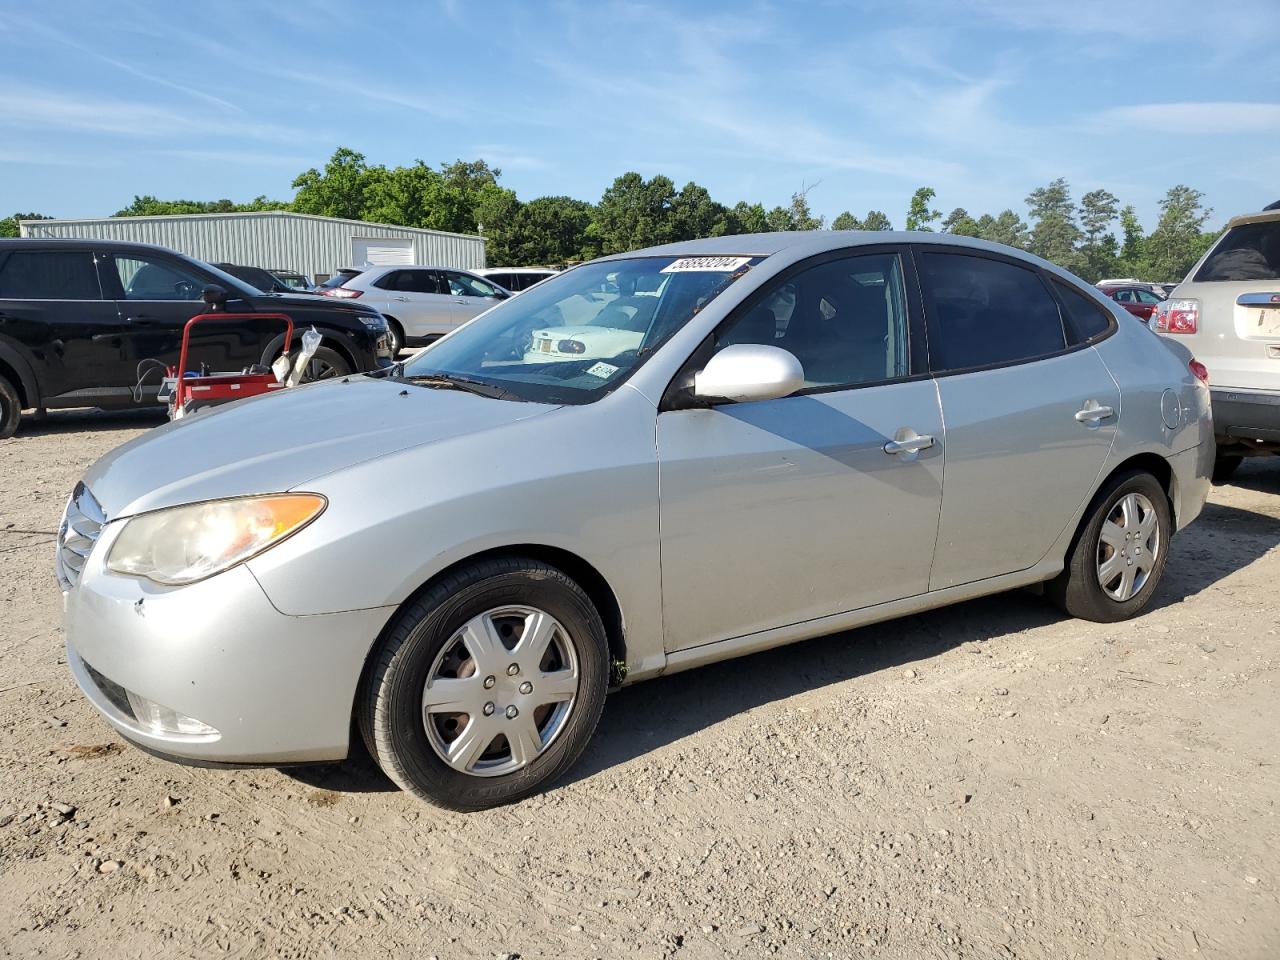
<point x="1250" y="251"/>
<point x="49" y="275"/>
<point x="1085" y="319"/>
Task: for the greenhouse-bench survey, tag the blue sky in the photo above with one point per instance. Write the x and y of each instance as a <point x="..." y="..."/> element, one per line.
<point x="863" y="102"/>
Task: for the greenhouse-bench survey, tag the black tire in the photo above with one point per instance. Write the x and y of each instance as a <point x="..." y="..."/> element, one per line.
<point x="395" y="333"/>
<point x="390" y="712"/>
<point x="10" y="409"/>
<point x="326" y="364"/>
<point x="1224" y="466"/>
<point x="1078" y="589"/>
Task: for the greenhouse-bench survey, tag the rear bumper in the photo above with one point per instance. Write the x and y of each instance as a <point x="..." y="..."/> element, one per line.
<point x="1246" y="416"/>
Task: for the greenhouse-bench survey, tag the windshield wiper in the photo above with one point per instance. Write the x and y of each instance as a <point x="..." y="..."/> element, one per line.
<point x="450" y="381"/>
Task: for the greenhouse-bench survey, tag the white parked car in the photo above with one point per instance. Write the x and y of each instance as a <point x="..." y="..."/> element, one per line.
<point x="1227" y="311"/>
<point x="516" y="279"/>
<point x="603" y="322"/>
<point x="421" y="303"/>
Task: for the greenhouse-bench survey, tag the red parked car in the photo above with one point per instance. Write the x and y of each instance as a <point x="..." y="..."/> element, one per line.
<point x="1140" y="299"/>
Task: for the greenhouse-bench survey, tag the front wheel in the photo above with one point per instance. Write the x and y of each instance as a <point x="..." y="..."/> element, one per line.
<point x="488" y="687"/>
<point x="325" y="364"/>
<point x="1116" y="562"/>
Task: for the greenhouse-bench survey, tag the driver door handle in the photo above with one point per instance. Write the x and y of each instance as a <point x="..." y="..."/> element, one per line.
<point x="1093" y="412"/>
<point x="911" y="444"/>
<point x="459" y="300"/>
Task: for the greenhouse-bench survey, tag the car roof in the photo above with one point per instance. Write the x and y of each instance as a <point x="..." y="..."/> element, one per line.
<point x="1265" y="216"/>
<point x="46" y="243"/>
<point x="813" y="242"/>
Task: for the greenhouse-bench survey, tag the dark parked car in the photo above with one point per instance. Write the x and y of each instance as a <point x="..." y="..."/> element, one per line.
<point x="1140" y="299"/>
<point x="256" y="277"/>
<point x="77" y="317"/>
<point x="295" y="281"/>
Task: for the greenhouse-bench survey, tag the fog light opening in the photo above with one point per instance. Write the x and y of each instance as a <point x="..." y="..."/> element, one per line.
<point x="159" y="719"/>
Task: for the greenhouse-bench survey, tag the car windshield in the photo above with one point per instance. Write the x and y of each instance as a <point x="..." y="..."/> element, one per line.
<point x="1250" y="251"/>
<point x="577" y="336"/>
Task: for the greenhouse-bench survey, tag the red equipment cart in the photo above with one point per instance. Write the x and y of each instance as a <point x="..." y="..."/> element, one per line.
<point x="192" y="391"/>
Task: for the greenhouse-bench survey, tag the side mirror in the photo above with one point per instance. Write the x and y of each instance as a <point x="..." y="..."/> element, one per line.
<point x="746" y="371"/>
<point x="214" y="295"/>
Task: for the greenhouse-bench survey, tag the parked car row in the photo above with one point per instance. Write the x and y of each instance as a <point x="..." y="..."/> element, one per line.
<point x="843" y="428"/>
<point x="77" y="317"/>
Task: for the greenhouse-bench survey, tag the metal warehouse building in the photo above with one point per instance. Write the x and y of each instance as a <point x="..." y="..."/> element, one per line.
<point x="278" y="240"/>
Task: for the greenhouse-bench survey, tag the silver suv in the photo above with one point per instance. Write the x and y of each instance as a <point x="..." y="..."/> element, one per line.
<point x="1228" y="312"/>
<point x="811" y="431"/>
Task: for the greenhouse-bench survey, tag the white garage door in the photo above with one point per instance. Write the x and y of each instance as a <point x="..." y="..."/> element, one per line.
<point x="377" y="251"/>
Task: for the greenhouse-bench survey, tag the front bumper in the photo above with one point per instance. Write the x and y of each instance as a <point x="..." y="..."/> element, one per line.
<point x="1246" y="415"/>
<point x="274" y="688"/>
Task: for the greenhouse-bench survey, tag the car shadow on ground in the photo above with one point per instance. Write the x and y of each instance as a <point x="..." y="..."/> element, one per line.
<point x="90" y="421"/>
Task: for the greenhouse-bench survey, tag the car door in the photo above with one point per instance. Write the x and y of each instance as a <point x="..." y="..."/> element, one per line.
<point x="53" y="308"/>
<point x="157" y="295"/>
<point x="1030" y="412"/>
<point x="471" y="295"/>
<point x="782" y="511"/>
<point x="417" y="298"/>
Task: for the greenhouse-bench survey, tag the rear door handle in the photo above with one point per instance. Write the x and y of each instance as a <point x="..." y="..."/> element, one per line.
<point x="1093" y="412"/>
<point x="401" y="299"/>
<point x="460" y="300"/>
<point x="911" y="442"/>
<point x="142" y="321"/>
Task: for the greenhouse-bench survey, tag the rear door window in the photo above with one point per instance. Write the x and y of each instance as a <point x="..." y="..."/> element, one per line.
<point x="984" y="312"/>
<point x="49" y="275"/>
<point x="1250" y="251"/>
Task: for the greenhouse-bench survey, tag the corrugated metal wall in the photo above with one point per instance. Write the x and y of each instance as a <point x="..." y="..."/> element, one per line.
<point x="281" y="241"/>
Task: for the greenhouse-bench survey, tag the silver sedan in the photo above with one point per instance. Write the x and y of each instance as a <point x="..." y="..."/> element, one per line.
<point x="787" y="435"/>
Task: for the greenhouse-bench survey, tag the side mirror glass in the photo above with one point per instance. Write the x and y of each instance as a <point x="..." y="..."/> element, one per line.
<point x="745" y="371"/>
<point x="214" y="295"/>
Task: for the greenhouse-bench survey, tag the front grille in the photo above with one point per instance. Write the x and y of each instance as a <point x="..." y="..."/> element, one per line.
<point x="80" y="528"/>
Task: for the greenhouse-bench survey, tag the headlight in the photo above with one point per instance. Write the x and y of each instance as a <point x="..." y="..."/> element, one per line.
<point x="185" y="544"/>
<point x="373" y="323"/>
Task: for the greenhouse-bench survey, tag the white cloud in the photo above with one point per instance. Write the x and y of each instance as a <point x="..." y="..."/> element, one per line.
<point x="38" y="108"/>
<point x="1195" y="118"/>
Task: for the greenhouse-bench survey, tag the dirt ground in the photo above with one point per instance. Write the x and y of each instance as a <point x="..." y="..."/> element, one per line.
<point x="987" y="780"/>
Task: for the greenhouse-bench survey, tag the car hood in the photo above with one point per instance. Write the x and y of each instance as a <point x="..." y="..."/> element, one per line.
<point x="280" y="441"/>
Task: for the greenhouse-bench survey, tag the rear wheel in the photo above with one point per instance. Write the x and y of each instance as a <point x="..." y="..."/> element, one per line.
<point x="1116" y="562"/>
<point x="487" y="688"/>
<point x="1224" y="465"/>
<point x="10" y="409"/>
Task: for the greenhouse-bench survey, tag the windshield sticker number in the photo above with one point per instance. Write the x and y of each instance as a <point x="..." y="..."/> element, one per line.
<point x="602" y="370"/>
<point x="706" y="265"/>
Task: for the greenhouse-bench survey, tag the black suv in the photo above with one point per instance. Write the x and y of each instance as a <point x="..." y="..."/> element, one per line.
<point x="77" y="316"/>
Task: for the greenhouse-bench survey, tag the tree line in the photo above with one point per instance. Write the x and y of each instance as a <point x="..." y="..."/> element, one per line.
<point x="1094" y="238"/>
